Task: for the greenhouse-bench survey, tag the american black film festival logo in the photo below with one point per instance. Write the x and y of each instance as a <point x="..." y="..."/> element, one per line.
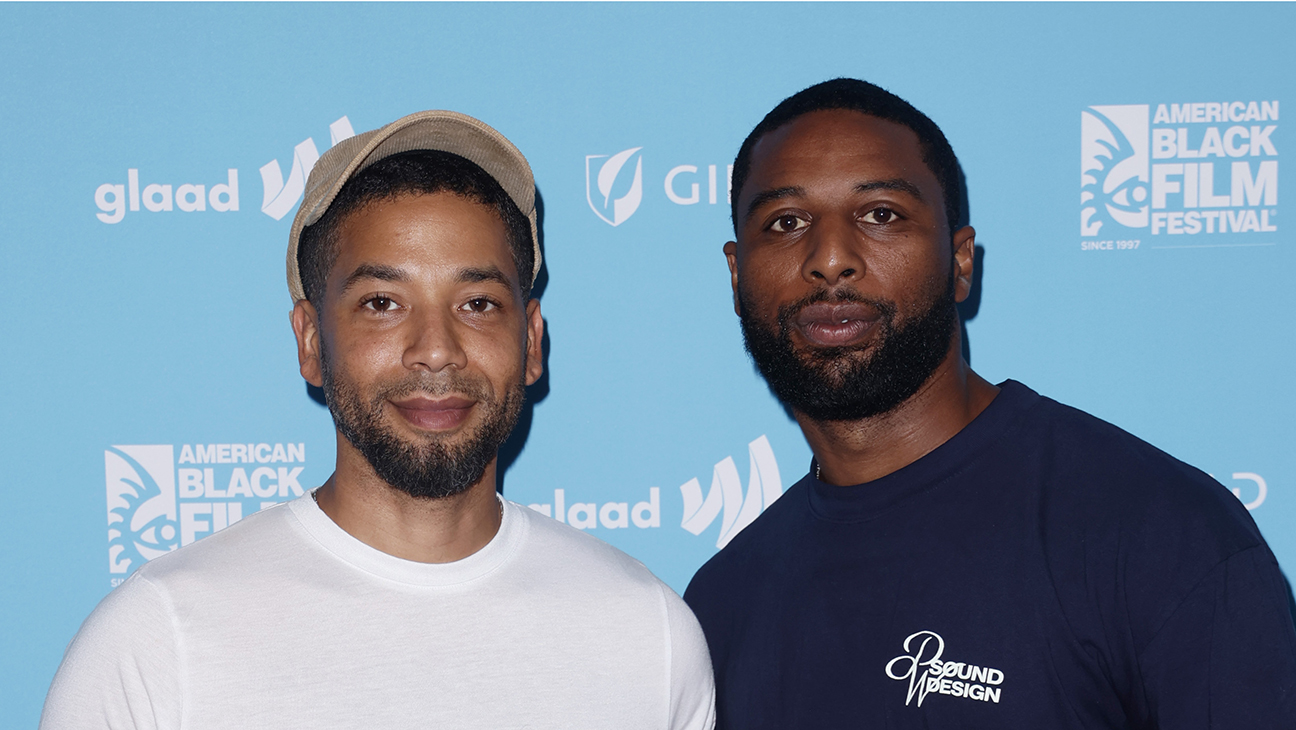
<point x="1178" y="175"/>
<point x="158" y="502"/>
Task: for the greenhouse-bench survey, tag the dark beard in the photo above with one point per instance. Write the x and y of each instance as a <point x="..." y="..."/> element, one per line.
<point x="848" y="383"/>
<point x="430" y="469"/>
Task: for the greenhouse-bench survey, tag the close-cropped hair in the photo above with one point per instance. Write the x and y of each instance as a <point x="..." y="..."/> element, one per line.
<point x="866" y="98"/>
<point x="419" y="172"/>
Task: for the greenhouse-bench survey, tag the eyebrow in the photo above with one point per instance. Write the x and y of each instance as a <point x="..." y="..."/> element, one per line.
<point x="374" y="271"/>
<point x="896" y="183"/>
<point x="769" y="196"/>
<point x="474" y="275"/>
<point x="467" y="275"/>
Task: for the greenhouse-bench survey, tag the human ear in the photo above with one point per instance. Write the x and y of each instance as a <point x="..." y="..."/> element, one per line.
<point x="305" y="324"/>
<point x="964" y="261"/>
<point x="535" y="342"/>
<point x="731" y="255"/>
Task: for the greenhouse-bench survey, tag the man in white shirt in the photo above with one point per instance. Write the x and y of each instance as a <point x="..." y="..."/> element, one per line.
<point x="404" y="592"/>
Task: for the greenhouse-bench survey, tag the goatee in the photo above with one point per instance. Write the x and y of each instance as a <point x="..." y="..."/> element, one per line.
<point x="851" y="382"/>
<point x="428" y="468"/>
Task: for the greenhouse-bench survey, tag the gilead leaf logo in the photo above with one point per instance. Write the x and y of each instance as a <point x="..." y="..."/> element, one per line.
<point x="600" y="194"/>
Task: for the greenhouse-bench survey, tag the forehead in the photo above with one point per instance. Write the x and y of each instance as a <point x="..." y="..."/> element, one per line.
<point x="429" y="234"/>
<point x="838" y="146"/>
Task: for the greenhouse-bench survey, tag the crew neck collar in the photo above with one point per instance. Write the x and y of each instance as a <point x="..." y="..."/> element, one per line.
<point x="864" y="501"/>
<point x="342" y="545"/>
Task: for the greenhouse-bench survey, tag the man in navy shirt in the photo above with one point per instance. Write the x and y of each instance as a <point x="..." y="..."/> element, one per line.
<point x="961" y="554"/>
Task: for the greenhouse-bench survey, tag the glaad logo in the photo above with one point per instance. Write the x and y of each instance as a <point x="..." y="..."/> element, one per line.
<point x="151" y="512"/>
<point x="921" y="664"/>
<point x="763" y="487"/>
<point x="623" y="206"/>
<point x="279" y="196"/>
<point x="610" y="515"/>
<point x="1158" y="170"/>
<point x="114" y="200"/>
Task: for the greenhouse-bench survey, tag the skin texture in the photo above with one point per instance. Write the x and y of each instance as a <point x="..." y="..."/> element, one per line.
<point x="838" y="199"/>
<point x="423" y="284"/>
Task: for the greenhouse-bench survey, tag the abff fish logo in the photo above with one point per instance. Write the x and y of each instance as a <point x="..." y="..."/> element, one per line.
<point x="1113" y="167"/>
<point x="141" y="494"/>
<point x="609" y="181"/>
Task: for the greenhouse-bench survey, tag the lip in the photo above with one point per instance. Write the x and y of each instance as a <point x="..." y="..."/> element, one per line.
<point x="836" y="324"/>
<point x="434" y="414"/>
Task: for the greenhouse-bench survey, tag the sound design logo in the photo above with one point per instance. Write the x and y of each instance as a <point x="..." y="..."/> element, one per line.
<point x="151" y="512"/>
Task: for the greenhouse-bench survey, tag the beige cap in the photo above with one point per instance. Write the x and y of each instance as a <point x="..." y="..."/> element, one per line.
<point x="444" y="131"/>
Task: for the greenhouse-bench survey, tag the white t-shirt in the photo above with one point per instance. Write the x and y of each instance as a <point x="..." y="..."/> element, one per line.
<point x="286" y="621"/>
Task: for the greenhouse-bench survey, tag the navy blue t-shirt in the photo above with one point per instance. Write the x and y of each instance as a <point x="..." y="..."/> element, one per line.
<point x="1041" y="569"/>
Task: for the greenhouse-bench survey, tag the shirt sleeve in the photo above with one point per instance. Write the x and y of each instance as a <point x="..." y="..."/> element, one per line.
<point x="1226" y="658"/>
<point x="122" y="670"/>
<point x="692" y="686"/>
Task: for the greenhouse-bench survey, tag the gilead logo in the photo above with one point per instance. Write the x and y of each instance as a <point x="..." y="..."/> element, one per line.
<point x="614" y="184"/>
<point x="608" y="180"/>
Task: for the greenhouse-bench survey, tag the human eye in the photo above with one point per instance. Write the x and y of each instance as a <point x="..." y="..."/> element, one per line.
<point x="480" y="305"/>
<point x="788" y="223"/>
<point x="880" y="215"/>
<point x="380" y="303"/>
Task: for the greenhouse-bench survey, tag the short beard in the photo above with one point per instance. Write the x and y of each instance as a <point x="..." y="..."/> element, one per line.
<point x="429" y="469"/>
<point x="850" y="383"/>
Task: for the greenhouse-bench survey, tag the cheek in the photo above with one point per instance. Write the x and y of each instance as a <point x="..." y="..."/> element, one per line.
<point x="766" y="278"/>
<point x="499" y="354"/>
<point x="361" y="356"/>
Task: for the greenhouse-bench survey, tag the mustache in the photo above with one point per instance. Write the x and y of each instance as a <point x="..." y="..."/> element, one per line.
<point x="842" y="295"/>
<point x="436" y="385"/>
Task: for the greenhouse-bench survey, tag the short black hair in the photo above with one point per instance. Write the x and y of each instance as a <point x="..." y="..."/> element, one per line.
<point x="418" y="172"/>
<point x="866" y="98"/>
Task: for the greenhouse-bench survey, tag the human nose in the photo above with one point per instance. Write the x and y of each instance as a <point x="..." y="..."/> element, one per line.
<point x="834" y="253"/>
<point x="434" y="344"/>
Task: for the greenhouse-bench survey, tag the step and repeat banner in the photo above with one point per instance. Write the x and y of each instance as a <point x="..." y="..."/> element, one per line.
<point x="1123" y="166"/>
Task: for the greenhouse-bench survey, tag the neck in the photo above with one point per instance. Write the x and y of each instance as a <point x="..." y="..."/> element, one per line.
<point x="856" y="452"/>
<point x="439" y="530"/>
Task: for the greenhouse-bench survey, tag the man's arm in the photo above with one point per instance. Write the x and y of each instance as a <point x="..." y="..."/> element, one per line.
<point x="122" y="671"/>
<point x="1226" y="658"/>
<point x="692" y="687"/>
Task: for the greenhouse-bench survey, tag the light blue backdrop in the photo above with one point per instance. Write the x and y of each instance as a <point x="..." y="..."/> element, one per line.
<point x="170" y="328"/>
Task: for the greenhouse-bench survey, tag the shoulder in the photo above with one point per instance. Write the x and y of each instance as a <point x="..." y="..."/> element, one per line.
<point x="1096" y="466"/>
<point x="561" y="560"/>
<point x="555" y="550"/>
<point x="226" y="562"/>
<point x="123" y="666"/>
<point x="752" y="552"/>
